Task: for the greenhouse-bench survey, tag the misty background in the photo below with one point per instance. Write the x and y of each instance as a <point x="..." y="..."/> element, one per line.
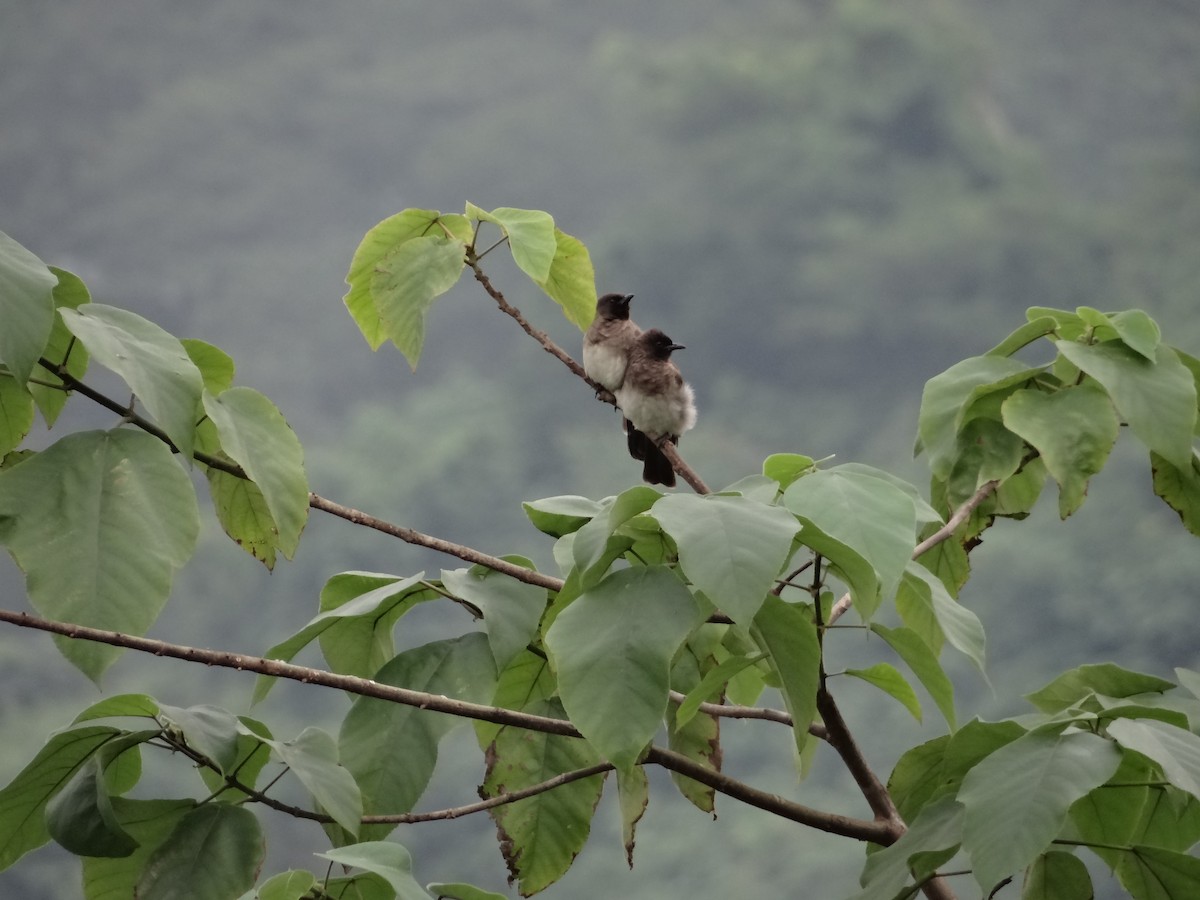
<point x="827" y="202"/>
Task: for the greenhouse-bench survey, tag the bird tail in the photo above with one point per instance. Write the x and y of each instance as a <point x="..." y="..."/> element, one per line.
<point x="637" y="441"/>
<point x="657" y="468"/>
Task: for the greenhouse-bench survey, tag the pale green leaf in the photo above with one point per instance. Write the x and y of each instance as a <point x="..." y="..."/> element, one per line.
<point x="209" y="730"/>
<point x="959" y="625"/>
<point x="730" y="548"/>
<point x="293" y="884"/>
<point x="892" y="683"/>
<point x="924" y="664"/>
<point x="614" y="679"/>
<point x="26" y="307"/>
<point x="1073" y="429"/>
<point x="1175" y="750"/>
<point x="70" y="292"/>
<point x="216" y="850"/>
<point x="557" y="516"/>
<point x="405" y="283"/>
<point x="786" y="467"/>
<point x="1017" y="798"/>
<point x="1139" y="332"/>
<point x="530" y="237"/>
<point x="1157" y="398"/>
<point x="121" y="705"/>
<point x="153" y="363"/>
<point x="571" y="282"/>
<point x="1179" y="488"/>
<point x="313" y="758"/>
<point x="16" y="413"/>
<point x="118" y="507"/>
<point x="592" y="540"/>
<point x="1024" y="336"/>
<point x="1108" y="679"/>
<point x="788" y="634"/>
<point x="216" y="366"/>
<point x="255" y="435"/>
<point x="938" y="828"/>
<point x="241" y="508"/>
<point x="710" y="684"/>
<point x="458" y="891"/>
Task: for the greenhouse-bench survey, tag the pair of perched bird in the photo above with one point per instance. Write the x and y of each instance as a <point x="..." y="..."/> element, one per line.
<point x="635" y="365"/>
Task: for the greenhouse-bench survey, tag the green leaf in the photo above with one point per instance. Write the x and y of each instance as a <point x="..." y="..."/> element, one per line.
<point x="242" y="510"/>
<point x="1179" y="488"/>
<point x="1017" y="798"/>
<point x="122" y="705"/>
<point x="1139" y="332"/>
<point x="389" y="861"/>
<point x="511" y="609"/>
<point x="23" y="800"/>
<point x="1068" y="324"/>
<point x="1056" y="875"/>
<point x="557" y="516"/>
<point x="459" y="891"/>
<point x="698" y="735"/>
<point x="216" y="850"/>
<point x="1074" y="430"/>
<point x="891" y="682"/>
<point x="592" y="540"/>
<point x="918" y="657"/>
<point x="148" y="822"/>
<point x="871" y="516"/>
<point x="255" y="435"/>
<point x="360" y="610"/>
<point x="377" y="733"/>
<point x="541" y="835"/>
<point x="16" y="413"/>
<point x="152" y="362"/>
<point x="1024" y="336"/>
<point x="209" y="730"/>
<point x="26" y="307"/>
<point x="730" y="548"/>
<point x="118" y="507"/>
<point x="293" y="884"/>
<point x="614" y="679"/>
<point x="251" y="755"/>
<point x="947" y="396"/>
<point x="380" y="241"/>
<point x="572" y="281"/>
<point x="313" y="758"/>
<point x="788" y="633"/>
<point x="80" y="816"/>
<point x="959" y="625"/>
<point x="633" y="791"/>
<point x="1103" y="678"/>
<point x="1176" y="750"/>
<point x="405" y="283"/>
<point x="216" y="366"/>
<point x="938" y="828"/>
<point x="70" y="292"/>
<point x="1157" y="874"/>
<point x="530" y="236"/>
<point x="786" y="467"/>
<point x="1157" y="398"/>
<point x="711" y="684"/>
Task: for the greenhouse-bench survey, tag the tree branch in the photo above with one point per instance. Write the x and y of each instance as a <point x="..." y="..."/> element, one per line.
<point x="844" y="825"/>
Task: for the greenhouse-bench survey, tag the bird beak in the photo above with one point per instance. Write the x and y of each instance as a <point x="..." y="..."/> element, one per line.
<point x="678" y="347"/>
<point x="628" y="297"/>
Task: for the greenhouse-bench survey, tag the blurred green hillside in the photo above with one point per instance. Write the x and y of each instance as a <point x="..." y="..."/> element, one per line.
<point x="827" y="201"/>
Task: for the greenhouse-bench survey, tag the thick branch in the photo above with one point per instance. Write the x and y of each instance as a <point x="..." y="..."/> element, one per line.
<point x="685" y="471"/>
<point x="844" y="825"/>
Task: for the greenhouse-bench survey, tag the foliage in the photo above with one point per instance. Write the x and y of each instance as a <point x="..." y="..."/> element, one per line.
<point x="670" y="612"/>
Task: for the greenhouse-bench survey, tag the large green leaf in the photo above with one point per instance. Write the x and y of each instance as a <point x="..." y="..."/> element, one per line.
<point x="389" y="861"/>
<point x="571" y="282"/>
<point x="16" y="413"/>
<point x="255" y="435"/>
<point x="149" y="823"/>
<point x="99" y="522"/>
<point x="1056" y="875"/>
<point x="511" y="609"/>
<point x="1157" y="399"/>
<point x="405" y="283"/>
<point x="81" y="819"/>
<point x="293" y="884"/>
<point x="1017" y="798"/>
<point x="153" y="363"/>
<point x="376" y="734"/>
<point x="947" y="396"/>
<point x="213" y="853"/>
<point x="870" y="515"/>
<point x="1073" y="429"/>
<point x="593" y="540"/>
<point x="788" y="633"/>
<point x="957" y="623"/>
<point x="1139" y="332"/>
<point x="557" y="516"/>
<point x="938" y="830"/>
<point x="376" y="245"/>
<point x="731" y="548"/>
<point x="1175" y="749"/>
<point x="541" y="835"/>
<point x="614" y="678"/>
<point x="530" y="235"/>
<point x="313" y="758"/>
<point x="26" y="307"/>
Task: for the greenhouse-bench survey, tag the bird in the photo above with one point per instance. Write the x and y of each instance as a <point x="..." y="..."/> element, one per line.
<point x="608" y="340"/>
<point x="657" y="403"/>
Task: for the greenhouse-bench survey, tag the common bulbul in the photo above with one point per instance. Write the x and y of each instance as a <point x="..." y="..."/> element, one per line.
<point x="658" y="404"/>
<point x="608" y="340"/>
